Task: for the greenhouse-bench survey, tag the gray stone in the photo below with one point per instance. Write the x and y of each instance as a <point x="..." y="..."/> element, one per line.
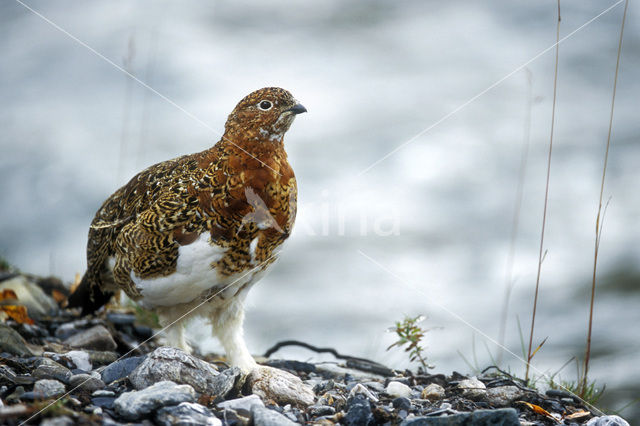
<point x="359" y="413"/>
<point x="433" y="392"/>
<point x="30" y="295"/>
<point x="186" y="414"/>
<point x="121" y="368"/>
<point x="58" y="421"/>
<point x="12" y="342"/>
<point x="278" y="385"/>
<point x="607" y="421"/>
<point x="97" y="338"/>
<point x="502" y="396"/>
<point x="49" y="369"/>
<point x="86" y="382"/>
<point x="246" y="403"/>
<point x="173" y="364"/>
<point x="500" y="417"/>
<point x="102" y="357"/>
<point x="263" y="416"/>
<point x="47" y="388"/>
<point x="137" y="404"/>
<point x="472" y="388"/>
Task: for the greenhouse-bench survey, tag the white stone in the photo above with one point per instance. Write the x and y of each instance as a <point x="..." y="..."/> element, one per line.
<point x="398" y="390"/>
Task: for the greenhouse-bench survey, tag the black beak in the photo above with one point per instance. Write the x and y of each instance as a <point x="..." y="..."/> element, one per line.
<point x="297" y="109"/>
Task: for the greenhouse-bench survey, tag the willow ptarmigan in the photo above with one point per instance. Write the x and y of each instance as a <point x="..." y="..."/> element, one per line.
<point x="198" y="227"/>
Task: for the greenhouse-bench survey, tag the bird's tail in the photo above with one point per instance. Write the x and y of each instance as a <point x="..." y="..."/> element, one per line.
<point x="88" y="295"/>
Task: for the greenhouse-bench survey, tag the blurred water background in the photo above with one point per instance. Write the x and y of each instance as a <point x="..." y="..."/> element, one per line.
<point x="425" y="231"/>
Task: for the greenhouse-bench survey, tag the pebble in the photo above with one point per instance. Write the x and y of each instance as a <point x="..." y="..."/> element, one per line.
<point x="359" y="413"/>
<point x="263" y="416"/>
<point x="186" y="414"/>
<point x="607" y="421"/>
<point x="137" y="404"/>
<point x="86" y="382"/>
<point x="58" y="421"/>
<point x="360" y="389"/>
<point x="433" y="392"/>
<point x="97" y="338"/>
<point x="502" y="396"/>
<point x="12" y="342"/>
<point x="401" y="403"/>
<point x="321" y="410"/>
<point x="121" y="368"/>
<point x="103" y="401"/>
<point x="178" y="366"/>
<point x="48" y="388"/>
<point x="472" y="388"/>
<point x="80" y="359"/>
<point x="118" y="318"/>
<point x="499" y="417"/>
<point x="278" y="385"/>
<point x="246" y="403"/>
<point x="49" y="369"/>
<point x="398" y="390"/>
<point x="102" y="357"/>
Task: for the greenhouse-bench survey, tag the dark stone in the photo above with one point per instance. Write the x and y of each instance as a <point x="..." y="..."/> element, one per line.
<point x="97" y="338"/>
<point x="12" y="342"/>
<point x="121" y="368"/>
<point x="86" y="383"/>
<point x="143" y="331"/>
<point x="500" y="417"/>
<point x="186" y="414"/>
<point x="49" y="369"/>
<point x="98" y="358"/>
<point x="321" y="410"/>
<point x="402" y="404"/>
<point x="103" y="401"/>
<point x="120" y="319"/>
<point x="359" y="412"/>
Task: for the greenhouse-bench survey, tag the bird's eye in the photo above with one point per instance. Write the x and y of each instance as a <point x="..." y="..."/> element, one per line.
<point x="265" y="105"/>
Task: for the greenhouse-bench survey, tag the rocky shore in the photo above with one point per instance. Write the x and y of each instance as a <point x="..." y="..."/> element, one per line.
<point x="57" y="368"/>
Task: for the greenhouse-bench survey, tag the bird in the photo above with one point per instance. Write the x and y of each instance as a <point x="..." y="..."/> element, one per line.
<point x="195" y="233"/>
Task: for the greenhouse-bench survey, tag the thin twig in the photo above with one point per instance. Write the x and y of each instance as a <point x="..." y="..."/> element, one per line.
<point x="583" y="385"/>
<point x="546" y="195"/>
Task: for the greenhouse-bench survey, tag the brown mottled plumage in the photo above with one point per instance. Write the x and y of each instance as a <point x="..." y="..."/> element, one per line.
<point x="201" y="224"/>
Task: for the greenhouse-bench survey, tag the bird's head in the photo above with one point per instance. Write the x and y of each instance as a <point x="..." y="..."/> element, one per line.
<point x="265" y="114"/>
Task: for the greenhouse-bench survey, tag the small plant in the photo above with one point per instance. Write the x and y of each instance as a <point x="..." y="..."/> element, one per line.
<point x="410" y="334"/>
<point x="4" y="265"/>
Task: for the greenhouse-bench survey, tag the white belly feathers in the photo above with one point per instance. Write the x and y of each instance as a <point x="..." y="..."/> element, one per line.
<point x="193" y="277"/>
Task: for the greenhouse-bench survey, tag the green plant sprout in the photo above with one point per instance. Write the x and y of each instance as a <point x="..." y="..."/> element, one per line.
<point x="410" y="335"/>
